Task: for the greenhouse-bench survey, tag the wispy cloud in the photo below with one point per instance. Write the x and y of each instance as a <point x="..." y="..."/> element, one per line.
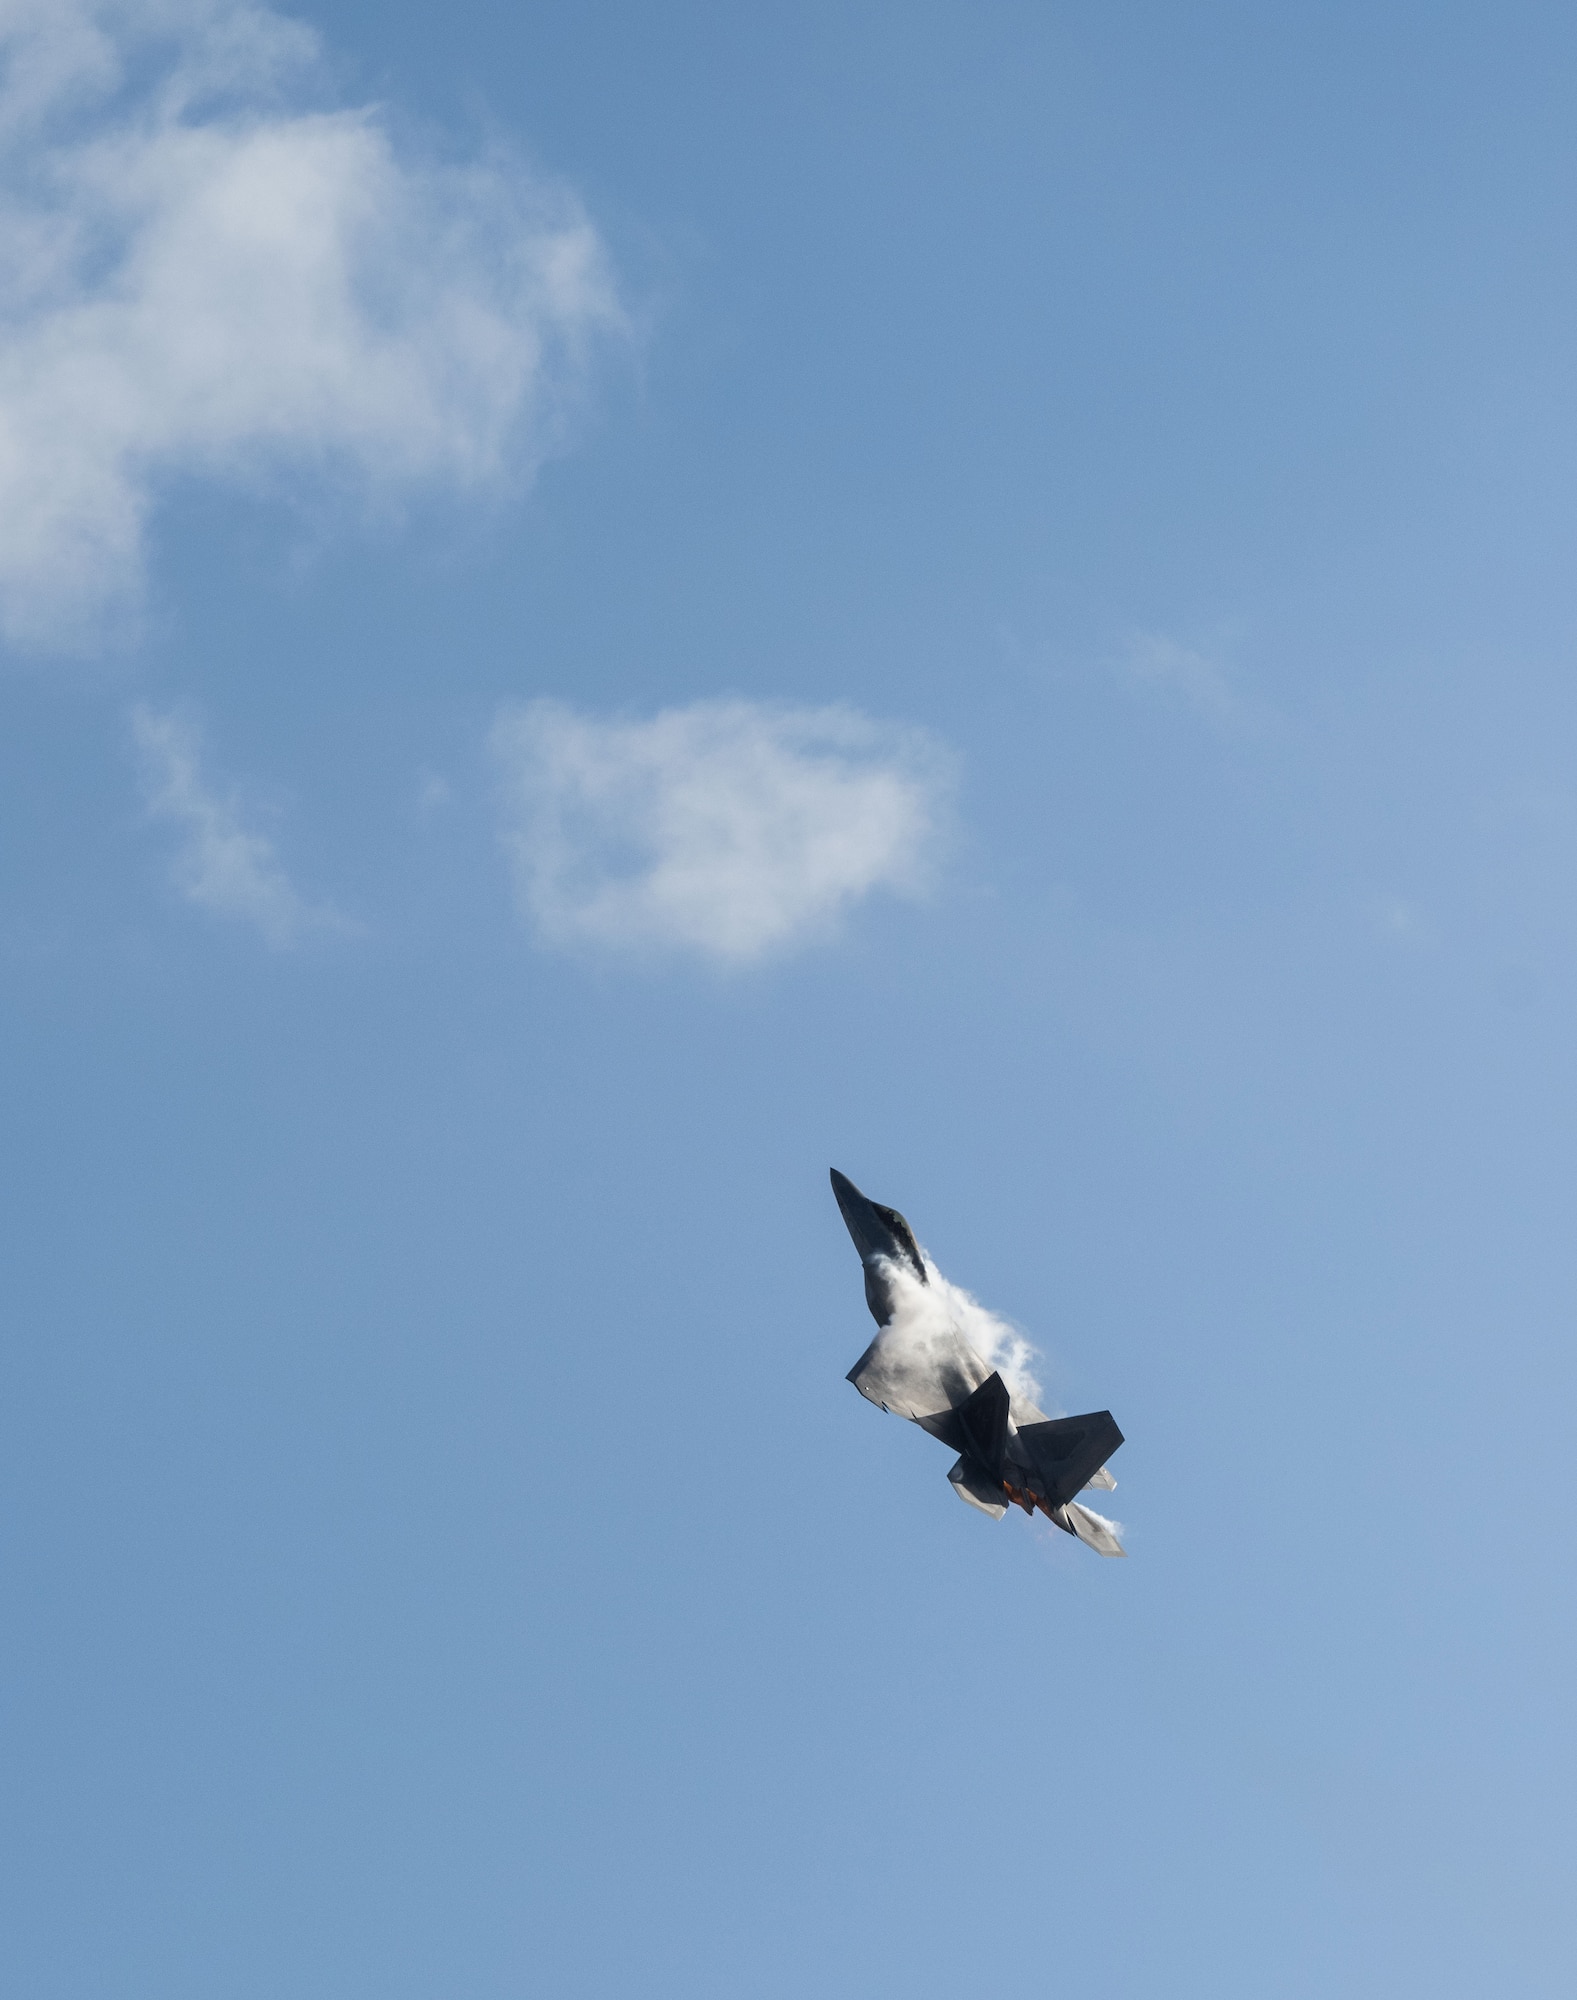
<point x="205" y="271"/>
<point x="222" y="865"/>
<point x="735" y="830"/>
<point x="1164" y="666"/>
<point x="1401" y="920"/>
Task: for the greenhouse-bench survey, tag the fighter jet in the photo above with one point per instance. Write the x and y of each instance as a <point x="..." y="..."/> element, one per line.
<point x="921" y="1366"/>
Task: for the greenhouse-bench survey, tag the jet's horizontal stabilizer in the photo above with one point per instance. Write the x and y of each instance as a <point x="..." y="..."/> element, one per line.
<point x="971" y="1484"/>
<point x="1094" y="1530"/>
<point x="1067" y="1452"/>
<point x="1103" y="1480"/>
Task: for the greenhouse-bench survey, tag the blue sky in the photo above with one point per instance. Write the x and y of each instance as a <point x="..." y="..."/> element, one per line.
<point x="605" y="608"/>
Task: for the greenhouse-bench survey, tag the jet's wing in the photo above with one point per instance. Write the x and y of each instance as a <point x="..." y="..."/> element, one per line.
<point x="917" y="1364"/>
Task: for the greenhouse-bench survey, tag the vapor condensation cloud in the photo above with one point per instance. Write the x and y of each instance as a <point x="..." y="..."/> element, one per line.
<point x="998" y="1342"/>
<point x="221" y="864"/>
<point x="204" y="271"/>
<point x="925" y="1314"/>
<point x="733" y="830"/>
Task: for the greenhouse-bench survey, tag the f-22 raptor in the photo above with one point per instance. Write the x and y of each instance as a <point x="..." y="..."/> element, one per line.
<point x="921" y="1366"/>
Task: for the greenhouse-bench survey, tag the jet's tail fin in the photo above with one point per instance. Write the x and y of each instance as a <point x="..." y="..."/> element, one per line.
<point x="1069" y="1453"/>
<point x="983" y="1418"/>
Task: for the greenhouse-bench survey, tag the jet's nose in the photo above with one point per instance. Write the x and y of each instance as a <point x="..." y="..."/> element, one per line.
<point x="863" y="1222"/>
<point x="877" y="1231"/>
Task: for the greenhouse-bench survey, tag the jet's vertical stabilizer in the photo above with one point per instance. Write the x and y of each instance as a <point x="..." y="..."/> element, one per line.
<point x="1068" y="1452"/>
<point x="983" y="1418"/>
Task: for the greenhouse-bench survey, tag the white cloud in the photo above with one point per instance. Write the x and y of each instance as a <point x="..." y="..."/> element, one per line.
<point x="202" y="273"/>
<point x="221" y="866"/>
<point x="732" y="829"/>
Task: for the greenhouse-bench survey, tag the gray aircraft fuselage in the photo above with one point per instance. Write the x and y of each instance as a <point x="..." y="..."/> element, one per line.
<point x="921" y="1366"/>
